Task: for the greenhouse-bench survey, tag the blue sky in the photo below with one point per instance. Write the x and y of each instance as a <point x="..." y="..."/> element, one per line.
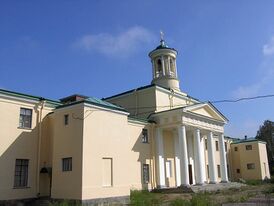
<point x="100" y="48"/>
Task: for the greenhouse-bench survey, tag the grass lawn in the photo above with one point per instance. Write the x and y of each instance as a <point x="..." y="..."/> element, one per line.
<point x="142" y="198"/>
<point x="217" y="198"/>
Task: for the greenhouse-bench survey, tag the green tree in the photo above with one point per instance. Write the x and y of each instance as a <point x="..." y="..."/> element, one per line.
<point x="266" y="133"/>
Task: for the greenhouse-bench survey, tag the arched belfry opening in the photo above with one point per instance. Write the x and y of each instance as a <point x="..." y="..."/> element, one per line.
<point x="164" y="67"/>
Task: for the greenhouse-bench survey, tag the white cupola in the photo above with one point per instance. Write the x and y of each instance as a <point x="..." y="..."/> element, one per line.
<point x="164" y="67"/>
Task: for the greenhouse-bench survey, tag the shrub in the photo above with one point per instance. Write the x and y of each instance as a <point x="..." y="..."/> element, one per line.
<point x="254" y="182"/>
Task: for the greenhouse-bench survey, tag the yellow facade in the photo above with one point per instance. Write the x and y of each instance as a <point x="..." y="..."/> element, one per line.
<point x="83" y="148"/>
<point x="249" y="160"/>
<point x="97" y="138"/>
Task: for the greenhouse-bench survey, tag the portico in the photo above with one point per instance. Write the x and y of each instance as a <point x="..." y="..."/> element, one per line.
<point x="189" y="147"/>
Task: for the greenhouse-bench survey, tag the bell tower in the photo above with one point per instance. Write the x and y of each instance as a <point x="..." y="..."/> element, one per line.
<point x="164" y="67"/>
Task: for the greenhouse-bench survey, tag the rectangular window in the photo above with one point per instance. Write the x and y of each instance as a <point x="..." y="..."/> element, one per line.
<point x="248" y="147"/>
<point x="250" y="166"/>
<point x="235" y="149"/>
<point x="238" y="171"/>
<point x="146" y="173"/>
<point x="206" y="144"/>
<point x="67" y="164"/>
<point x="219" y="170"/>
<point x="217" y="145"/>
<point x="66" y="119"/>
<point x="144" y="136"/>
<point x="226" y="146"/>
<point x="21" y="173"/>
<point x="25" y="118"/>
<point x="107" y="172"/>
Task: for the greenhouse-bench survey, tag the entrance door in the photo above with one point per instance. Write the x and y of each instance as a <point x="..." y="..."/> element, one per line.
<point x="190" y="174"/>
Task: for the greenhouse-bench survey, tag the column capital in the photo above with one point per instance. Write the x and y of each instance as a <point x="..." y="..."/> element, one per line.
<point x="181" y="125"/>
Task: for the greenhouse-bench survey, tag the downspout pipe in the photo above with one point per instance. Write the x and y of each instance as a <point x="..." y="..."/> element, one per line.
<point x="40" y="113"/>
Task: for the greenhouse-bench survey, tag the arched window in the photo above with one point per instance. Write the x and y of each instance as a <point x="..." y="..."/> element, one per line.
<point x="159" y="65"/>
<point x="172" y="66"/>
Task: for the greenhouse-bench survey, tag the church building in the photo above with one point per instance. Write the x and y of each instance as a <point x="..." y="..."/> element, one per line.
<point x="92" y="150"/>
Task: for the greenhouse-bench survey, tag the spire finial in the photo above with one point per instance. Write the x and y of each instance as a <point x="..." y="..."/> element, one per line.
<point x="162" y="35"/>
<point x="162" y="38"/>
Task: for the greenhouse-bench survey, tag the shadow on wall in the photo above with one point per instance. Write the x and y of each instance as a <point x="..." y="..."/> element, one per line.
<point x="143" y="149"/>
<point x="22" y="147"/>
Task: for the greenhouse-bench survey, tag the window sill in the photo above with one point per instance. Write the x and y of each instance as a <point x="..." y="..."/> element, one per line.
<point x="26" y="128"/>
<point x="26" y="187"/>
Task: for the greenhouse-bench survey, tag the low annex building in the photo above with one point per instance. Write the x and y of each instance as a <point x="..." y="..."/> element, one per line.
<point x="88" y="149"/>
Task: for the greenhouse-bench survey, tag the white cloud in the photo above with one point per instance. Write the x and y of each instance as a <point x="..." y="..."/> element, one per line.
<point x="265" y="80"/>
<point x="121" y="45"/>
<point x="247" y="91"/>
<point x="268" y="49"/>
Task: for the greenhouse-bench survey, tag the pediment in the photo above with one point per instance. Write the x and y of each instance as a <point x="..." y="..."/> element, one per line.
<point x="207" y="110"/>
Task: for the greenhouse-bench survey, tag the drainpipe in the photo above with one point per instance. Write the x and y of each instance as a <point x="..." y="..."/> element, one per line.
<point x="40" y="108"/>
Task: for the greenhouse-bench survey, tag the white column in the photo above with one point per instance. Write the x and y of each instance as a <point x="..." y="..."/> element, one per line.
<point x="175" y="68"/>
<point x="153" y="69"/>
<point x="203" y="159"/>
<point x="160" y="157"/>
<point x="211" y="159"/>
<point x="169" y="68"/>
<point x="178" y="157"/>
<point x="163" y="65"/>
<point x="198" y="157"/>
<point x="184" y="160"/>
<point x="224" y="177"/>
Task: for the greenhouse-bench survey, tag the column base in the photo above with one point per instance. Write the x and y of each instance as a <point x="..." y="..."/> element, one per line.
<point x="224" y="181"/>
<point x="212" y="182"/>
<point x="200" y="184"/>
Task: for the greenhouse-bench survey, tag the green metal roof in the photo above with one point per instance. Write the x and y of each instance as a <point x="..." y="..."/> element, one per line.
<point x="99" y="102"/>
<point x="238" y="141"/>
<point x="30" y="97"/>
<point x="96" y="102"/>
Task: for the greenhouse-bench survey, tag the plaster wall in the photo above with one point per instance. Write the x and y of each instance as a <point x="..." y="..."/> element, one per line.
<point x="110" y="135"/>
<point x="18" y="143"/>
<point x="67" y="142"/>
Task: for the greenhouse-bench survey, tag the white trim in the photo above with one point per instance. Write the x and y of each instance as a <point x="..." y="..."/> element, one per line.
<point x="19" y="99"/>
<point x="198" y="106"/>
<point x="132" y="121"/>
